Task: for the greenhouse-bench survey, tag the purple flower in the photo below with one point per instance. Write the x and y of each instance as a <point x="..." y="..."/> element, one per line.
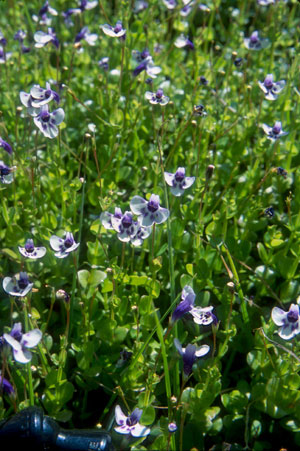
<point x="20" y="35"/>
<point x="106" y="218"/>
<point x="254" y="42"/>
<point x="178" y="181"/>
<point x="19" y="285"/>
<point x="188" y="298"/>
<point x="146" y="63"/>
<point x="90" y="38"/>
<point x="6" y="387"/>
<point x="185" y="11"/>
<point x="63" y="246"/>
<point x="140" y="5"/>
<point x="20" y="342"/>
<point x="47" y="122"/>
<point x="46" y="8"/>
<point x="269" y="2"/>
<point x="271" y="88"/>
<point x="6" y="176"/>
<point x="199" y="110"/>
<point x="130" y="425"/>
<point x="157" y="97"/>
<point x="42" y="20"/>
<point x="172" y="427"/>
<point x="289" y="321"/>
<point x="141" y="234"/>
<point x="183" y="41"/>
<point x="41" y="96"/>
<point x="149" y="212"/>
<point x="203" y="316"/>
<point x="41" y="38"/>
<point x="189" y="355"/>
<point x="170" y="4"/>
<point x="116" y="32"/>
<point x="32" y="252"/>
<point x="103" y="63"/>
<point x="5" y="146"/>
<point x="4" y="56"/>
<point x="125" y="226"/>
<point x="84" y="5"/>
<point x="273" y="133"/>
<point x="3" y="40"/>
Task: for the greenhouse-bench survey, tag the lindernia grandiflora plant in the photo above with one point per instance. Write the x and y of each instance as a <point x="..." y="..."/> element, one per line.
<point x="157" y="97"/>
<point x="41" y="38"/>
<point x="47" y="121"/>
<point x="63" y="246"/>
<point x="288" y="321"/>
<point x="6" y="173"/>
<point x="178" y="181"/>
<point x="271" y="88"/>
<point x="21" y="342"/>
<point x="275" y="132"/>
<point x="30" y="251"/>
<point x="19" y="285"/>
<point x="149" y="212"/>
<point x="130" y="425"/>
<point x="116" y="32"/>
<point x="127" y="228"/>
<point x="189" y="355"/>
<point x="201" y="315"/>
<point x="255" y="42"/>
<point x="7" y="147"/>
<point x="182" y="41"/>
<point x="85" y="34"/>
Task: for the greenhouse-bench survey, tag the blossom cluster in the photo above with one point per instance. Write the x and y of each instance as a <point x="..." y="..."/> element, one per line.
<point x="37" y="104"/>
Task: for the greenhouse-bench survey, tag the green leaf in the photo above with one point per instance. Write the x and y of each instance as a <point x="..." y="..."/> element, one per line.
<point x="148" y="415"/>
<point x="234" y="401"/>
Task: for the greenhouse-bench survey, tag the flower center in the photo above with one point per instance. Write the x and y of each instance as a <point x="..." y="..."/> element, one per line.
<point x="68" y="242"/>
<point x="292" y="316"/>
<point x="4" y="170"/>
<point x="45" y="116"/>
<point x="127" y="221"/>
<point x="153" y="206"/>
<point x="268" y="83"/>
<point x="254" y="38"/>
<point x="29" y="246"/>
<point x="179" y="176"/>
<point x="276" y="129"/>
<point x="159" y="93"/>
<point x="118" y="28"/>
<point x="23" y="282"/>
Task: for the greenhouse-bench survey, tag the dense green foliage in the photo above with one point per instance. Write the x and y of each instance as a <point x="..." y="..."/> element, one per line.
<point x="218" y="239"/>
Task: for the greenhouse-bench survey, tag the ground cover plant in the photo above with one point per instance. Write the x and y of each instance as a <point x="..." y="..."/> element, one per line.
<point x="150" y="198"/>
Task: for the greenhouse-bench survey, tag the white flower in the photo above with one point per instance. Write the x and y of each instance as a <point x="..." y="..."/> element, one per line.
<point x="19" y="285"/>
<point x="116" y="32"/>
<point x="63" y="246"/>
<point x="178" y="181"/>
<point x="32" y="252"/>
<point x="273" y="133"/>
<point x="130" y="425"/>
<point x="20" y="342"/>
<point x="289" y="321"/>
<point x="47" y="122"/>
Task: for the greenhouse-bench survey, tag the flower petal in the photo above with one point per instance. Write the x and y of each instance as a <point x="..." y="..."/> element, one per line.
<point x="278" y="316"/>
<point x="138" y="430"/>
<point x="31" y="338"/>
<point x="137" y="205"/>
<point x="120" y="416"/>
